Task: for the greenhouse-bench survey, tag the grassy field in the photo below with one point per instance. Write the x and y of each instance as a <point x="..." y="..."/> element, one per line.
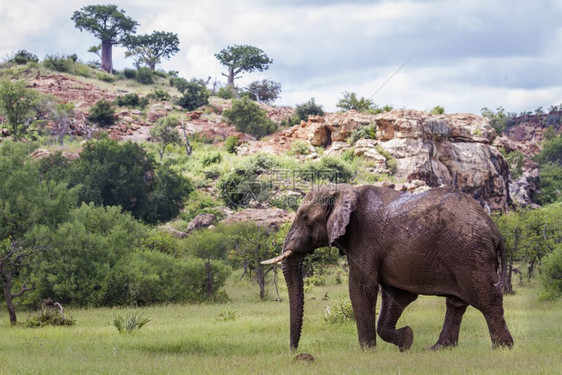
<point x="189" y="339"/>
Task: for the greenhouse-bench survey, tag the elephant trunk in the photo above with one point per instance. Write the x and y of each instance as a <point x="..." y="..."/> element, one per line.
<point x="292" y="270"/>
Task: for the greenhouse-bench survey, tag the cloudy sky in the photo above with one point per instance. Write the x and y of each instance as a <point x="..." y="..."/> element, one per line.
<point x="463" y="54"/>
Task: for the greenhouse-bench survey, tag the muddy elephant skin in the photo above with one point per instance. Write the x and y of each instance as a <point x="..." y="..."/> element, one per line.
<point x="439" y="242"/>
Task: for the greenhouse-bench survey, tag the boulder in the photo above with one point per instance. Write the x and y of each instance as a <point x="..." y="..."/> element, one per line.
<point x="201" y="221"/>
<point x="336" y="148"/>
<point x="271" y="218"/>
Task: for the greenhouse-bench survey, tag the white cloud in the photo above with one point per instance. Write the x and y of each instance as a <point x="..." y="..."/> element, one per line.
<point x="467" y="54"/>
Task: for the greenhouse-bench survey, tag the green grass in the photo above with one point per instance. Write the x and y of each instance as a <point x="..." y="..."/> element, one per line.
<point x="189" y="339"/>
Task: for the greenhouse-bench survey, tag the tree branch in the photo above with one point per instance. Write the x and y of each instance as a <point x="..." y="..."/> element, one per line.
<point x="24" y="288"/>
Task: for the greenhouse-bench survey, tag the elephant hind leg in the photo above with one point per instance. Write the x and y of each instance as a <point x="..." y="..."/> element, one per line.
<point x="499" y="333"/>
<point x="394" y="301"/>
<point x="451" y="326"/>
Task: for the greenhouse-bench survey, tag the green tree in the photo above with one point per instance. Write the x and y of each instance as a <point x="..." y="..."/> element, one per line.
<point x="102" y="113"/>
<point x="110" y="173"/>
<point x="438" y="110"/>
<point x="248" y="117"/>
<point x="165" y="133"/>
<point x="28" y="204"/>
<point x="251" y="244"/>
<point x="550" y="163"/>
<point x="84" y="251"/>
<point x="17" y="105"/>
<point x="195" y="95"/>
<point x="242" y="58"/>
<point x="310" y="108"/>
<point x="351" y="102"/>
<point x="107" y="23"/>
<point x="61" y="116"/>
<point x="265" y="91"/>
<point x="150" y="49"/>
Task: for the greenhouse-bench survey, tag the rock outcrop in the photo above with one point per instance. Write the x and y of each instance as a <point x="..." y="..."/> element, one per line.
<point x="201" y="221"/>
<point x="453" y="150"/>
<point x="271" y="218"/>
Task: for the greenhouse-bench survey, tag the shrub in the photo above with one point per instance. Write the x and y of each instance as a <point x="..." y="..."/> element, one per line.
<point x="300" y="147"/>
<point x="551" y="274"/>
<point x="231" y="143"/>
<point x="351" y="102"/>
<point x="48" y="317"/>
<point x="22" y="57"/>
<point x="102" y="113"/>
<point x="129" y="324"/>
<point x="209" y="159"/>
<point x="105" y="77"/>
<point x="131" y="100"/>
<point x="438" y="110"/>
<point x="59" y="63"/>
<point x="515" y="160"/>
<point x="340" y="313"/>
<point x="159" y="95"/>
<point x="181" y="84"/>
<point x="248" y="117"/>
<point x="195" y="95"/>
<point x="226" y="92"/>
<point x="145" y="76"/>
<point x="344" y="172"/>
<point x="310" y="108"/>
<point x="130" y="73"/>
<point x="363" y="132"/>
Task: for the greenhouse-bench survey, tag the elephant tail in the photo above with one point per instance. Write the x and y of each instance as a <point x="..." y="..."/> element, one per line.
<point x="503" y="259"/>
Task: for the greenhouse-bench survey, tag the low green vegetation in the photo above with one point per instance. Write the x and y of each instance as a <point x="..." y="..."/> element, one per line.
<point x="245" y="336"/>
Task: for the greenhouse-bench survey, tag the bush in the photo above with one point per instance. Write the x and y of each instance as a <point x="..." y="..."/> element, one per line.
<point x="59" y="63"/>
<point x="248" y="117"/>
<point x="363" y="132"/>
<point x="351" y="102"/>
<point x="438" y="110"/>
<point x="159" y="95"/>
<point x="145" y="76"/>
<point x="102" y="113"/>
<point x="226" y="315"/>
<point x="130" y="73"/>
<point x="131" y="323"/>
<point x="310" y="108"/>
<point x="231" y="143"/>
<point x="105" y="77"/>
<point x="131" y="100"/>
<point x="22" y="57"/>
<point x="340" y="313"/>
<point x="329" y="168"/>
<point x="195" y="95"/>
<point x="209" y="159"/>
<point x="226" y="92"/>
<point x="181" y="84"/>
<point x="300" y="147"/>
<point x="48" y="317"/>
<point x="551" y="274"/>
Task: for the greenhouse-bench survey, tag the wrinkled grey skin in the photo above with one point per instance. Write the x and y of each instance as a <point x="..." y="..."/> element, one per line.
<point x="439" y="242"/>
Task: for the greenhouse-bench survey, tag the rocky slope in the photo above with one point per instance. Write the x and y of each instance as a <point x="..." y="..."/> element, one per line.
<point x="426" y="150"/>
<point x="419" y="149"/>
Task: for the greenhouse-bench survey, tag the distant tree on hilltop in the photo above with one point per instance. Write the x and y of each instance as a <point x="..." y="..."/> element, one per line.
<point x="242" y="58"/>
<point x="107" y="23"/>
<point x="150" y="49"/>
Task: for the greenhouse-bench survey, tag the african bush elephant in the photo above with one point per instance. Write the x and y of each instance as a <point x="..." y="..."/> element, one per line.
<point x="439" y="242"/>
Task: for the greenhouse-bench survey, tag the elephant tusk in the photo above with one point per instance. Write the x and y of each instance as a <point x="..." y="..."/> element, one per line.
<point x="278" y="259"/>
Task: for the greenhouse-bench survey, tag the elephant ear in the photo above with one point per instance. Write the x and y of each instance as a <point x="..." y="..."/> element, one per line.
<point x="345" y="202"/>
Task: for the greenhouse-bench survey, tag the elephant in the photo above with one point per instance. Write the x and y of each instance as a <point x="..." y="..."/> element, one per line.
<point x="438" y="242"/>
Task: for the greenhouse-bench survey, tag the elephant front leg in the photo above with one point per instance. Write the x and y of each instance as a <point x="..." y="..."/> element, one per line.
<point x="363" y="296"/>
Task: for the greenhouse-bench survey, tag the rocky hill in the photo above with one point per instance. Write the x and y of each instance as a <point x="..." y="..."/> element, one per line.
<point x="417" y="149"/>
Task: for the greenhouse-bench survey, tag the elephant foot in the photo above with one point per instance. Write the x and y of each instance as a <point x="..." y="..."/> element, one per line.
<point x="407" y="339"/>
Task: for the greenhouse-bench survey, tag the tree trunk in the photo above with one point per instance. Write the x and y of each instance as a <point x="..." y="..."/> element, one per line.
<point x="292" y="269"/>
<point x="260" y="276"/>
<point x="106" y="56"/>
<point x="9" y="303"/>
<point x="231" y="77"/>
<point x="209" y="278"/>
